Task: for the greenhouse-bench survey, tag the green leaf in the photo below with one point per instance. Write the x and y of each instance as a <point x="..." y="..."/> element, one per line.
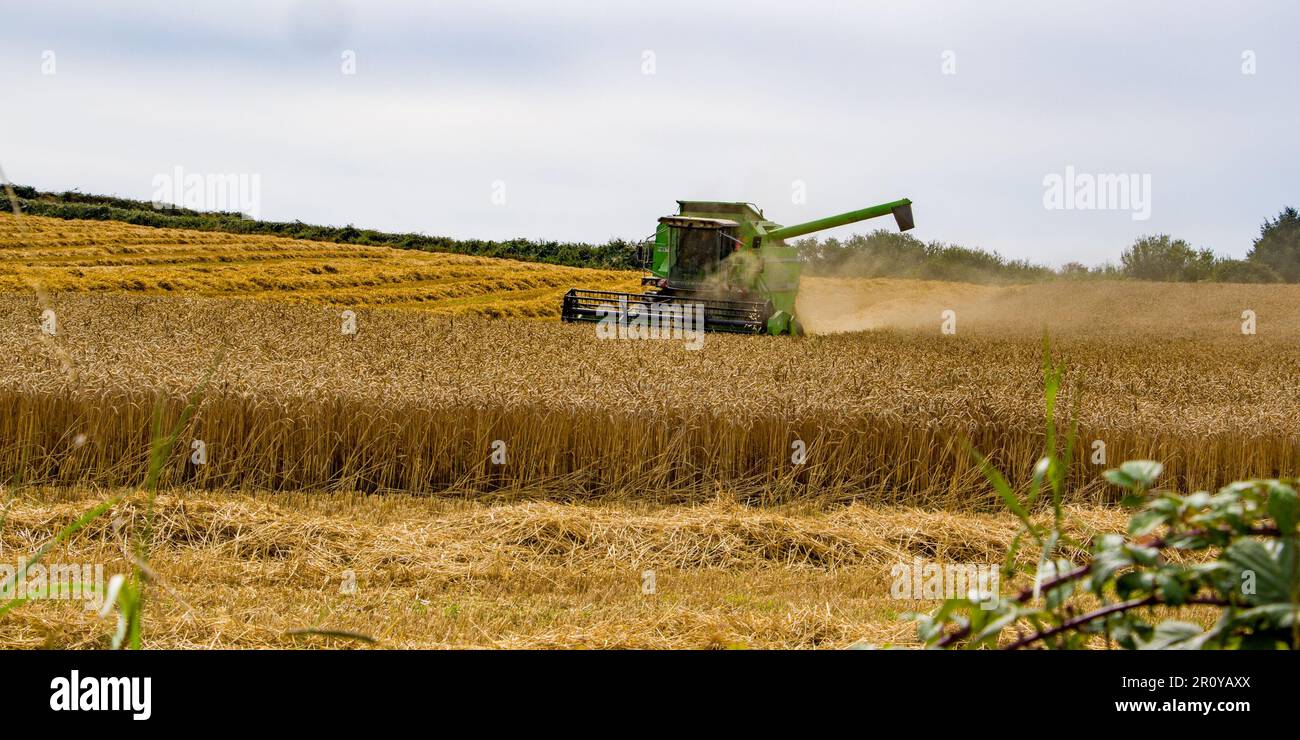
<point x="1143" y="471"/>
<point x="1282" y="506"/>
<point x="1119" y="478"/>
<point x="1134" y="582"/>
<point x="1145" y="521"/>
<point x="1105" y="564"/>
<point x="1143" y="555"/>
<point x="1197" y="501"/>
<point x="1135" y="474"/>
<point x="1273" y="615"/>
<point x="1266" y="567"/>
<point x="1063" y="471"/>
<point x="994" y="629"/>
<point x="1003" y="489"/>
<point x="1009" y="564"/>
<point x="1130" y="501"/>
<point x="1174" y="635"/>
<point x="1171" y="589"/>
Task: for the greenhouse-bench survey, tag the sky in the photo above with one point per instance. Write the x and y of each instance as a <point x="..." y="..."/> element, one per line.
<point x="584" y="121"/>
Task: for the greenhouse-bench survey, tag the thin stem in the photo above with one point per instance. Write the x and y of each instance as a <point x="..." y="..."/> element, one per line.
<point x="1122" y="606"/>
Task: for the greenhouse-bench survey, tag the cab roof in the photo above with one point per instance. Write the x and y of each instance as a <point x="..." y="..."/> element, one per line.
<point x="696" y="222"/>
<point x="746" y="211"/>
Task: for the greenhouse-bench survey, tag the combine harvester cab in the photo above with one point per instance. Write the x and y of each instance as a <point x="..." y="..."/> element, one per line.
<point x="723" y="261"/>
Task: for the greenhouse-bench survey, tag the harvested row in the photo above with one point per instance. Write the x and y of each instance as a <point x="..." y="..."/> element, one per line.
<point x="417" y="402"/>
<point x="92" y="256"/>
<point x="240" y="570"/>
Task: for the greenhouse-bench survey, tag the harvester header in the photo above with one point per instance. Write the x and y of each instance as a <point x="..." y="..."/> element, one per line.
<point x="726" y="258"/>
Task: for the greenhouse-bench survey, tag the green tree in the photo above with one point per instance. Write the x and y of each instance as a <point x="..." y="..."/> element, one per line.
<point x="1278" y="245"/>
<point x="1161" y="257"/>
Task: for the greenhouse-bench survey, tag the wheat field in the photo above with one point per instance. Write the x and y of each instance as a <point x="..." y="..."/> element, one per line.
<point x="106" y="256"/>
<point x="417" y="402"/>
<point x="616" y="456"/>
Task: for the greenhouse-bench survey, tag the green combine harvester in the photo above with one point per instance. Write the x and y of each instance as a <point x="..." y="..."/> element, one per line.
<point x="726" y="259"/>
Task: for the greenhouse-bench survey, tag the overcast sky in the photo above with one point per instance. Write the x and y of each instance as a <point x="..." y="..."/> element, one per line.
<point x="590" y="119"/>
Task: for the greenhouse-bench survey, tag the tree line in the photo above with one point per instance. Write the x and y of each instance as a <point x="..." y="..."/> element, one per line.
<point x="1274" y="257"/>
<point x="1274" y="254"/>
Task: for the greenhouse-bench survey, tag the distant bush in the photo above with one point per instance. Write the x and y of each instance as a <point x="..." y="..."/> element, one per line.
<point x="1162" y="257"/>
<point x="884" y="253"/>
<point x="1074" y="270"/>
<point x="1244" y="271"/>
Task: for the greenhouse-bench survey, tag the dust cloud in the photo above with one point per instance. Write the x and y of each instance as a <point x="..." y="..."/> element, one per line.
<point x="829" y="305"/>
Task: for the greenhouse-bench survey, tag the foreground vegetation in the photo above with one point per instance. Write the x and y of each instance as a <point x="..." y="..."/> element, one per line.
<point x="1237" y="551"/>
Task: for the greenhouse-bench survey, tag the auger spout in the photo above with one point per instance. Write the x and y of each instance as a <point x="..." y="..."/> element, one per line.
<point x="902" y="210"/>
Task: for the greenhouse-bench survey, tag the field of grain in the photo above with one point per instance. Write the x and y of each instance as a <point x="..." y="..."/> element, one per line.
<point x="415" y="402"/>
<point x="106" y="256"/>
<point x="506" y="481"/>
